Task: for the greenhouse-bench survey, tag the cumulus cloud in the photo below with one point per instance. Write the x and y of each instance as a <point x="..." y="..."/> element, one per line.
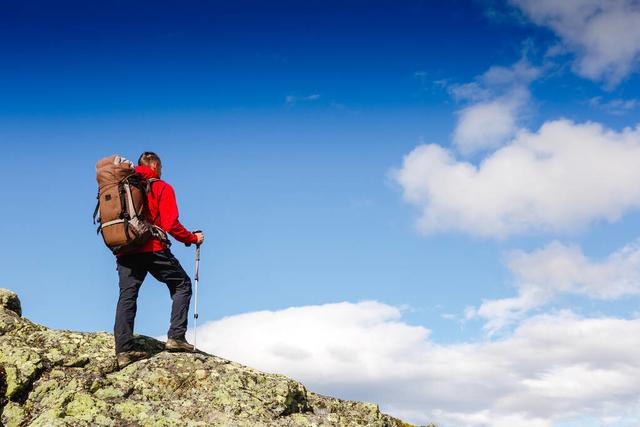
<point x="556" y="269"/>
<point x="495" y="80"/>
<point x="552" y="368"/>
<point x="604" y="34"/>
<point x="559" y="179"/>
<point x="496" y="101"/>
<point x="488" y="124"/>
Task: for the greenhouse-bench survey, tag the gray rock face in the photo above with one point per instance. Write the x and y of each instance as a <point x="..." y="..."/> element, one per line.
<point x="56" y="377"/>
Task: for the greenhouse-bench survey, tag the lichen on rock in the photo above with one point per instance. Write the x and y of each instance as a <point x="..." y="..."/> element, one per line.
<point x="57" y="377"/>
<point x="10" y="301"/>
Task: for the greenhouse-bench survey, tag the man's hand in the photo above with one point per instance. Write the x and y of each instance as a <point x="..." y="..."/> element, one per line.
<point x="200" y="237"/>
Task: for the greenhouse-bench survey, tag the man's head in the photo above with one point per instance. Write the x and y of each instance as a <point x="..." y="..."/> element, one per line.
<point x="152" y="161"/>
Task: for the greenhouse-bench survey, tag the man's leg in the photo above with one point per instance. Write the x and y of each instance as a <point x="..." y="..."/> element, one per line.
<point x="167" y="269"/>
<point x="131" y="272"/>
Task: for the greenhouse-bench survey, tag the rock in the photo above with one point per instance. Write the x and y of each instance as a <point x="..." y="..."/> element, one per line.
<point x="10" y="301"/>
<point x="57" y="377"/>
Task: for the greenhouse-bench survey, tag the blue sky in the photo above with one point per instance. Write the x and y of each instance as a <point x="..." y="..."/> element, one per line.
<point x="457" y="172"/>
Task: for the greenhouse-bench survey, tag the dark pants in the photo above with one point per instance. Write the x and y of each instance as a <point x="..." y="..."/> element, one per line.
<point x="132" y="269"/>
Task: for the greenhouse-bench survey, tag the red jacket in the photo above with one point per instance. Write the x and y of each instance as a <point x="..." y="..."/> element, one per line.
<point x="162" y="211"/>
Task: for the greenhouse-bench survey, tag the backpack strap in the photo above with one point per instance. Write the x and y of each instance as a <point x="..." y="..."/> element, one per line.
<point x="95" y="211"/>
<point x="123" y="186"/>
<point x="149" y="188"/>
<point x="149" y="182"/>
<point x="156" y="231"/>
<point x="160" y="234"/>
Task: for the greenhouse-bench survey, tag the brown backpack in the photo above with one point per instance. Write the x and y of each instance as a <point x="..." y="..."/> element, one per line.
<point x="122" y="199"/>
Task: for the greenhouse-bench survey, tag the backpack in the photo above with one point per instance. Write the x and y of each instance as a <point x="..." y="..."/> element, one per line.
<point x="122" y="201"/>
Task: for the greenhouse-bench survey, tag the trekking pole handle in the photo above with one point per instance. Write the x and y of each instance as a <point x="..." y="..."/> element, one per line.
<point x="197" y="245"/>
<point x="197" y="257"/>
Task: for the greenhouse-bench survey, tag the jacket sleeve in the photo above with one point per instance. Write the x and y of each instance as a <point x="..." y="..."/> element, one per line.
<point x="169" y="217"/>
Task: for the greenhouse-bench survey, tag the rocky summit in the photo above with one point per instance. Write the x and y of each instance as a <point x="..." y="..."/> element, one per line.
<point x="56" y="377"/>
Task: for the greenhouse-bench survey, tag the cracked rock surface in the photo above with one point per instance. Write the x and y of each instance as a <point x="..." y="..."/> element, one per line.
<point x="56" y="377"/>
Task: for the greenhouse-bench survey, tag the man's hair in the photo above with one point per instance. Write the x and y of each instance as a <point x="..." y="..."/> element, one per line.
<point x="147" y="158"/>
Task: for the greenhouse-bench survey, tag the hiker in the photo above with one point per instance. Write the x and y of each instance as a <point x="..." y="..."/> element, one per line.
<point x="154" y="257"/>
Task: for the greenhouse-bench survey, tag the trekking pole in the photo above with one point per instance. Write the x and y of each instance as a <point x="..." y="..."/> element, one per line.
<point x="195" y="309"/>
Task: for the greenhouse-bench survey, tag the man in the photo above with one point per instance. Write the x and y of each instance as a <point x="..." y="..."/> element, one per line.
<point x="154" y="257"/>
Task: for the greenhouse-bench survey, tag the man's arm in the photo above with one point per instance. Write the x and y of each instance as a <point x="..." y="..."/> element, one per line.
<point x="169" y="217"/>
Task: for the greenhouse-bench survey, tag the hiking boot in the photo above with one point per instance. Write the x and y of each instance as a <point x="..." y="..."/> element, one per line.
<point x="128" y="357"/>
<point x="178" y="345"/>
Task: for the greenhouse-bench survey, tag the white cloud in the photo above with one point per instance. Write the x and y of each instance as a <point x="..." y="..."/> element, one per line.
<point x="557" y="269"/>
<point x="615" y="106"/>
<point x="497" y="98"/>
<point x="292" y="99"/>
<point x="558" y="179"/>
<point x="553" y="368"/>
<point x="496" y="81"/>
<point x="604" y="34"/>
<point x="488" y="124"/>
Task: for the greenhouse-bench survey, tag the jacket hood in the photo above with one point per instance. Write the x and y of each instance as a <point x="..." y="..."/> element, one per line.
<point x="146" y="172"/>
